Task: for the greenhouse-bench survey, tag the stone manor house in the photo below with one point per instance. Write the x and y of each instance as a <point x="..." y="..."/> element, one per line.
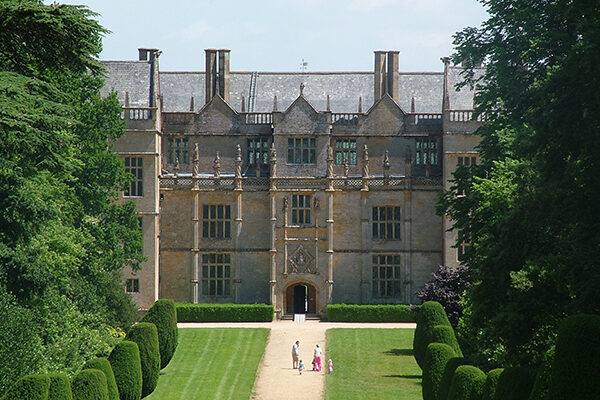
<point x="297" y="189"/>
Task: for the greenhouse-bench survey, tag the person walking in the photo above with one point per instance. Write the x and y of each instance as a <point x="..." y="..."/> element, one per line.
<point x="318" y="354"/>
<point x="295" y="354"/>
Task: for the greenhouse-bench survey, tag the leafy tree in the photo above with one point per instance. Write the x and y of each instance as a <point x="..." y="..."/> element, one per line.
<point x="530" y="208"/>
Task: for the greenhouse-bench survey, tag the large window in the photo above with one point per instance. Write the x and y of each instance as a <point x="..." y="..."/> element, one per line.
<point x="216" y="221"/>
<point x="132" y="285"/>
<point x="216" y="274"/>
<point x="134" y="166"/>
<point x="345" y="150"/>
<point x="300" y="209"/>
<point x="467" y="161"/>
<point x="258" y="151"/>
<point x="463" y="245"/>
<point x="386" y="276"/>
<point x="178" y="148"/>
<point x="426" y="151"/>
<point x="386" y="223"/>
<point x="301" y="150"/>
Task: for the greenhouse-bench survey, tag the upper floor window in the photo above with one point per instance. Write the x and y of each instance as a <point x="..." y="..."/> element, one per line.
<point x="178" y="149"/>
<point x="216" y="221"/>
<point x="301" y="150"/>
<point x="258" y="151"/>
<point x="134" y="166"/>
<point x="467" y="161"/>
<point x="300" y="209"/>
<point x="345" y="150"/>
<point x="463" y="245"/>
<point x="426" y="151"/>
<point x="386" y="223"/>
<point x="386" y="276"/>
<point x="216" y="274"/>
<point x="132" y="285"/>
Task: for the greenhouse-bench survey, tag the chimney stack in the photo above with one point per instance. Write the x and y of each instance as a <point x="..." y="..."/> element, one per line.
<point x="380" y="79"/>
<point x="217" y="74"/>
<point x="210" y="78"/>
<point x="386" y="75"/>
<point x="224" y="73"/>
<point x="393" y="61"/>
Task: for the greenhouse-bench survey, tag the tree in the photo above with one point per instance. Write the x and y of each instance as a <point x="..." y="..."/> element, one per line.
<point x="531" y="205"/>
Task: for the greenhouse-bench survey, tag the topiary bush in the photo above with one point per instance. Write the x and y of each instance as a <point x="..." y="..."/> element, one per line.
<point x="145" y="335"/>
<point x="541" y="385"/>
<point x="451" y="366"/>
<point x="576" y="359"/>
<point x="103" y="365"/>
<point x="126" y="365"/>
<point x="467" y="383"/>
<point x="60" y="387"/>
<point x="491" y="383"/>
<point x="436" y="358"/>
<point x="445" y="334"/>
<point x="164" y="315"/>
<point x="90" y="384"/>
<point x="515" y="383"/>
<point x="370" y="313"/>
<point x="29" y="387"/>
<point x="225" y="312"/>
<point x="430" y="314"/>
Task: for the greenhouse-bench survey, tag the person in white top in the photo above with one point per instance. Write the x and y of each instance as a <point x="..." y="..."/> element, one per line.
<point x="295" y="354"/>
<point x="318" y="354"/>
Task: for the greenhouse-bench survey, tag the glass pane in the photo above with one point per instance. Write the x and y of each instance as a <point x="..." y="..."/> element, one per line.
<point x="227" y="291"/>
<point x="375" y="231"/>
<point x="312" y="142"/>
<point x="212" y="288"/>
<point x="375" y="214"/>
<point x="220" y="258"/>
<point x="227" y="229"/>
<point x="213" y="271"/>
<point x="205" y="288"/>
<point x="353" y="144"/>
<point x="375" y="273"/>
<point x="290" y="142"/>
<point x="338" y="158"/>
<point x="219" y="288"/>
<point x="397" y="213"/>
<point x="204" y="258"/>
<point x="297" y="155"/>
<point x="396" y="231"/>
<point x="396" y="260"/>
<point x="290" y="157"/>
<point x="294" y="217"/>
<point x="204" y="211"/>
<point x="219" y="272"/>
<point x="212" y="258"/>
<point x="227" y="271"/>
<point x="213" y="211"/>
<point x="301" y="216"/>
<point x="305" y="142"/>
<point x="382" y="213"/>
<point x="220" y="229"/>
<point x="382" y="288"/>
<point x="205" y="229"/>
<point x="213" y="230"/>
<point x="307" y="217"/>
<point x="204" y="271"/>
<point x="338" y="144"/>
<point x="305" y="158"/>
<point x="389" y="273"/>
<point x="397" y="272"/>
<point x="312" y="156"/>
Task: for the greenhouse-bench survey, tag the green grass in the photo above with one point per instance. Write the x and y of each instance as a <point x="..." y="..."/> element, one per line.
<point x="372" y="364"/>
<point x="212" y="364"/>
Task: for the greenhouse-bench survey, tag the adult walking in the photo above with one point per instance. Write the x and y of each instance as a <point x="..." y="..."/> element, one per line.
<point x="295" y="354"/>
<point x="318" y="355"/>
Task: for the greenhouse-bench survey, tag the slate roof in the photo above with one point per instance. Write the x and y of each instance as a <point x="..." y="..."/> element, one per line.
<point x="463" y="98"/>
<point x="128" y="76"/>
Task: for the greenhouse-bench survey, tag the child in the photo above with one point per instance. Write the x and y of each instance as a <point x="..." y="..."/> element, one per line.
<point x="300" y="367"/>
<point x="330" y="366"/>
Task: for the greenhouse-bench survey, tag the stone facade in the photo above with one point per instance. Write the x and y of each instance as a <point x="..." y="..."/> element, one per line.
<point x="247" y="200"/>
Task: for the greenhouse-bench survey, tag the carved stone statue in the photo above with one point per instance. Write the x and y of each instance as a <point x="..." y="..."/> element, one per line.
<point x="316" y="203"/>
<point x="386" y="165"/>
<point x="176" y="167"/>
<point x="196" y="160"/>
<point x="273" y="160"/>
<point x="329" y="161"/>
<point x="285" y="203"/>
<point x="346" y="168"/>
<point x="238" y="161"/>
<point x="365" y="167"/>
<point x="217" y="166"/>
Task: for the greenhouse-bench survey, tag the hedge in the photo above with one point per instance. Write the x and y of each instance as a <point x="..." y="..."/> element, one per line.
<point x="576" y="363"/>
<point x="163" y="314"/>
<point x="60" y="387"/>
<point x="370" y="313"/>
<point x="515" y="383"/>
<point x="208" y="312"/>
<point x="445" y="334"/>
<point x="491" y="383"/>
<point x="436" y="358"/>
<point x="451" y="366"/>
<point x="145" y="335"/>
<point x="430" y="314"/>
<point x="541" y="385"/>
<point x="126" y="365"/>
<point x="29" y="387"/>
<point x="90" y="384"/>
<point x="103" y="365"/>
<point x="467" y="383"/>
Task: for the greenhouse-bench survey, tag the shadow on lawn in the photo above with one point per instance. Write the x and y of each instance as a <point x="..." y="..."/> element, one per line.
<point x="399" y="352"/>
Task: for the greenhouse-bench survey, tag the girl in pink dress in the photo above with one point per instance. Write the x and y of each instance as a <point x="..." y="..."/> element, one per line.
<point x="318" y="353"/>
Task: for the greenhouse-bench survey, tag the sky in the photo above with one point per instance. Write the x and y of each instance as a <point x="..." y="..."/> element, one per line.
<point x="271" y="35"/>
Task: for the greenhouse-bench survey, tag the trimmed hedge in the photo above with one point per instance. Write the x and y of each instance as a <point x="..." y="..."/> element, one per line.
<point x="451" y="366"/>
<point x="445" y="334"/>
<point x="436" y="358"/>
<point x="515" y="383"/>
<point x="60" y="387"/>
<point x="467" y="383"/>
<point x="491" y="383"/>
<point x="126" y="365"/>
<point x="430" y="314"/>
<point x="90" y="384"/>
<point x="576" y="359"/>
<point x="145" y="335"/>
<point x="542" y="379"/>
<point x="208" y="312"/>
<point x="29" y="387"/>
<point x="370" y="313"/>
<point x="103" y="365"/>
<point x="164" y="315"/>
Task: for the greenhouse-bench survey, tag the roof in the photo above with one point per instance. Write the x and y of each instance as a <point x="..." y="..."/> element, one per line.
<point x="128" y="76"/>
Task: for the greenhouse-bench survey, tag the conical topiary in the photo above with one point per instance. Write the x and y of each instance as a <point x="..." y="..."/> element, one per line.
<point x="431" y="313"/>
<point x="163" y="314"/>
<point x="467" y="383"/>
<point x="103" y="365"/>
<point x="445" y="334"/>
<point x="451" y="366"/>
<point x="126" y="365"/>
<point x="491" y="383"/>
<point x="60" y="387"/>
<point x="146" y="337"/>
<point x="29" y="387"/>
<point x="436" y="357"/>
<point x="90" y="384"/>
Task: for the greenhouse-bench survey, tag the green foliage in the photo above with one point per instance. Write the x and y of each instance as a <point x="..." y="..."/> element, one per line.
<point x="445" y="334"/>
<point x="436" y="359"/>
<point x="29" y="387"/>
<point x="370" y="313"/>
<point x="491" y="383"/>
<point x="103" y="365"/>
<point x="576" y="359"/>
<point x="126" y="365"/>
<point x="60" y="387"/>
<point x="164" y="315"/>
<point x="187" y="312"/>
<point x="90" y="384"/>
<point x="145" y="335"/>
<point x="514" y="383"/>
<point x="467" y="383"/>
<point x="446" y="381"/>
<point x="541" y="385"/>
<point x="430" y="314"/>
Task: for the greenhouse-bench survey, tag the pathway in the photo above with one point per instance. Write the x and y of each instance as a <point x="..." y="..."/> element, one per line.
<point x="276" y="379"/>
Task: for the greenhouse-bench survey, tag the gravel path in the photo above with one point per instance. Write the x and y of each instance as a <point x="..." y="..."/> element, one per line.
<point x="276" y="380"/>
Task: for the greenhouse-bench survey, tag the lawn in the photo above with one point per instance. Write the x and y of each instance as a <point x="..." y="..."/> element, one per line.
<point x="372" y="364"/>
<point x="212" y="364"/>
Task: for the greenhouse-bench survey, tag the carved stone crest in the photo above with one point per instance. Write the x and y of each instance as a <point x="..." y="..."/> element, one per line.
<point x="301" y="261"/>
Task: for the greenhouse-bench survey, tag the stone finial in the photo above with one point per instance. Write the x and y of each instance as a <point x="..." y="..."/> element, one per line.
<point x="192" y="103"/>
<point x="273" y="160"/>
<point x="238" y="161"/>
<point x="275" y="103"/>
<point x="243" y="104"/>
<point x="386" y="165"/>
<point x="196" y="160"/>
<point x="217" y="166"/>
<point x="346" y="168"/>
<point x="359" y="104"/>
<point x="176" y="167"/>
<point x="329" y="161"/>
<point x="412" y="105"/>
<point x="328" y="104"/>
<point x="365" y="166"/>
<point x="302" y="88"/>
<point x="126" y="99"/>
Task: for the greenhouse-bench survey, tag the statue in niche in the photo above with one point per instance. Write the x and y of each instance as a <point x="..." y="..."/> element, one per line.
<point x="365" y="161"/>
<point x="346" y="168"/>
<point x="329" y="161"/>
<point x="316" y="203"/>
<point x="285" y="203"/>
<point x="238" y="161"/>
<point x="196" y="160"/>
<point x="217" y="166"/>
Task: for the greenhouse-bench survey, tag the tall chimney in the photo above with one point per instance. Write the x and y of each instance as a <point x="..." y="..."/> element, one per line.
<point x="379" y="77"/>
<point x="210" y="78"/>
<point x="224" y="74"/>
<point x="393" y="75"/>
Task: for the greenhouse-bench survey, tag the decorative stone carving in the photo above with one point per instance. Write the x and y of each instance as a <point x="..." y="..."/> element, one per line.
<point x="329" y="161"/>
<point x="386" y="165"/>
<point x="346" y="168"/>
<point x="301" y="262"/>
<point x="196" y="160"/>
<point x="176" y="167"/>
<point x="365" y="166"/>
<point x="217" y="166"/>
<point x="273" y="160"/>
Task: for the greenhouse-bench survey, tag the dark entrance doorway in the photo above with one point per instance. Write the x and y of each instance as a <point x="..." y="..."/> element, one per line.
<point x="300" y="299"/>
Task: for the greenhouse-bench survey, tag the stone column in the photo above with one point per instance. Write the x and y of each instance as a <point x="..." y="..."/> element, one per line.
<point x="329" y="222"/>
<point x="195" y="245"/>
<point x="237" y="229"/>
<point x="273" y="252"/>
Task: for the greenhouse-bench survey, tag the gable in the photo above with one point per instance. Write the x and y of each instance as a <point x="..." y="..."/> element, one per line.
<point x="301" y="117"/>
<point x="384" y="118"/>
<point x="217" y="117"/>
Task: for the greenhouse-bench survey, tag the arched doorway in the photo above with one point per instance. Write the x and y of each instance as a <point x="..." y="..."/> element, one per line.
<point x="300" y="299"/>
